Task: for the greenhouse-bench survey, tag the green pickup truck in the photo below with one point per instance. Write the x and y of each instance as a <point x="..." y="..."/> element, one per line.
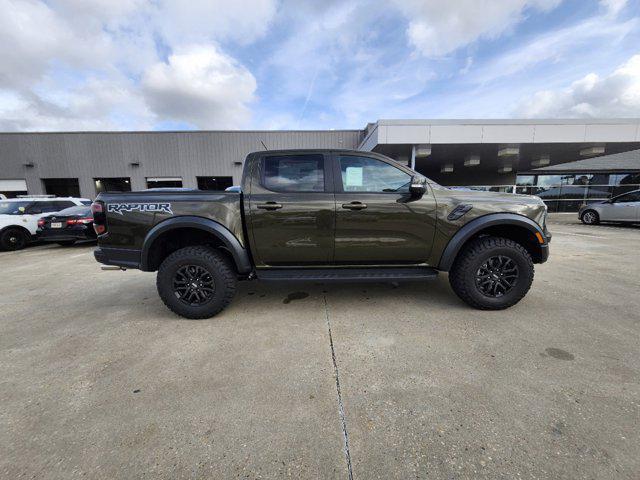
<point x="323" y="215"/>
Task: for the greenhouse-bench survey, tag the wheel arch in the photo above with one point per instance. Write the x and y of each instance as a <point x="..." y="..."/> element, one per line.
<point x="589" y="209"/>
<point x="508" y="225"/>
<point x="183" y="231"/>
<point x="24" y="230"/>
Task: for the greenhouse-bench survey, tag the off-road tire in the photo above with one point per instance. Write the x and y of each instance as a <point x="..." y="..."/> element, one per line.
<point x="592" y="217"/>
<point x="13" y="239"/>
<point x="66" y="243"/>
<point x="462" y="275"/>
<point x="215" y="263"/>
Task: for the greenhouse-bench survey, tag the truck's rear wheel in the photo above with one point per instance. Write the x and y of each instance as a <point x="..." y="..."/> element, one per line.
<point x="492" y="273"/>
<point x="196" y="282"/>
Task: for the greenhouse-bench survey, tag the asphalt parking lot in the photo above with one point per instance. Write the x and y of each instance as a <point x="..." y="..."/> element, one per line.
<point x="99" y="380"/>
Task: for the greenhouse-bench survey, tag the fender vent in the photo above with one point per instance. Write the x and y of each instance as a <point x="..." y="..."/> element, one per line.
<point x="459" y="211"/>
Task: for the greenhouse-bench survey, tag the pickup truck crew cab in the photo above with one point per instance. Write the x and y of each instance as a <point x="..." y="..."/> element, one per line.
<point x="323" y="215"/>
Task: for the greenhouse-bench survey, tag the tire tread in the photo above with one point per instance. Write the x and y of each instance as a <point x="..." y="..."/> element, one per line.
<point x="217" y="261"/>
<point x="465" y="260"/>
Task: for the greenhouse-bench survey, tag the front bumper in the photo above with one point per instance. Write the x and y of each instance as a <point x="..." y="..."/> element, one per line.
<point x="544" y="252"/>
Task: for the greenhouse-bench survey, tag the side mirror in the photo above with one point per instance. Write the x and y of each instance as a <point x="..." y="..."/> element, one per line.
<point x="418" y="186"/>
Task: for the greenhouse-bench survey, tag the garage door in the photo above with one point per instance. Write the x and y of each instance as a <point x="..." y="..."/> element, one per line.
<point x="13" y="186"/>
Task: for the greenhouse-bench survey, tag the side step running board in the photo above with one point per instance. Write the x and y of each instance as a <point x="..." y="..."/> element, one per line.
<point x="348" y="274"/>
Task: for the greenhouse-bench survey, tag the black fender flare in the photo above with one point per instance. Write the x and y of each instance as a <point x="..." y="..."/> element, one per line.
<point x="478" y="224"/>
<point x="228" y="239"/>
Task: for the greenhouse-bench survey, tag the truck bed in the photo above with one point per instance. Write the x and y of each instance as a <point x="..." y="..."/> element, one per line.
<point x="131" y="215"/>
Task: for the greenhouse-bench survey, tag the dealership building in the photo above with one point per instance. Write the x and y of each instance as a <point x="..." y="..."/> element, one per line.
<point x="566" y="162"/>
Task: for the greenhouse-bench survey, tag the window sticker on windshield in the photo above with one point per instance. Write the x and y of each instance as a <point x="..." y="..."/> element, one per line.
<point x="354" y="177"/>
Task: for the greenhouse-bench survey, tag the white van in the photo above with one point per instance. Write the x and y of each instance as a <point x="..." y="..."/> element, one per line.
<point x="19" y="217"/>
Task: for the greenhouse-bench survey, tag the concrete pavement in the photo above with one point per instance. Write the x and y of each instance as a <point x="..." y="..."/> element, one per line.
<point x="99" y="380"/>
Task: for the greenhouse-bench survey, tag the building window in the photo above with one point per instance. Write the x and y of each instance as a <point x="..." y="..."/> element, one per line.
<point x="164" y="182"/>
<point x="13" y="188"/>
<point x="61" y="187"/>
<point x="113" y="184"/>
<point x="567" y="193"/>
<point x="525" y="180"/>
<point x="214" y="183"/>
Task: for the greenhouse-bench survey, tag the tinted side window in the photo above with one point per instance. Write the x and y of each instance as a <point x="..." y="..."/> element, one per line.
<point x="47" y="207"/>
<point x="363" y="174"/>
<point x="630" y="197"/>
<point x="294" y="173"/>
<point x="53" y="206"/>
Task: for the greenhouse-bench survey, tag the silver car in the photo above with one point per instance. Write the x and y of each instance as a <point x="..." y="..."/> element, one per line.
<point x="623" y="208"/>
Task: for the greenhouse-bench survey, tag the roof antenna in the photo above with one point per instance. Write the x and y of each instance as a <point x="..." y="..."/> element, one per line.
<point x="265" y="147"/>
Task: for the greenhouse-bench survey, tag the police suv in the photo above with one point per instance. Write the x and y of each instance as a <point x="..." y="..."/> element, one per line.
<point x="19" y="216"/>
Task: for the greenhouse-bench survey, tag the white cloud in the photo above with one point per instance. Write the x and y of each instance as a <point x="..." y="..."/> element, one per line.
<point x="54" y="53"/>
<point x="615" y="95"/>
<point x="437" y="28"/>
<point x="242" y="21"/>
<point x="97" y="104"/>
<point x="555" y="46"/>
<point x="200" y="85"/>
<point x="26" y="51"/>
<point x="613" y="6"/>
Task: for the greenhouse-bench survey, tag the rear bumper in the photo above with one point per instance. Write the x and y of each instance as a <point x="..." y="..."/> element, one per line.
<point x="59" y="236"/>
<point x="120" y="257"/>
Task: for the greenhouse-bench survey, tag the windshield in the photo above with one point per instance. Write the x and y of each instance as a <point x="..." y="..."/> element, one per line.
<point x="12" y="208"/>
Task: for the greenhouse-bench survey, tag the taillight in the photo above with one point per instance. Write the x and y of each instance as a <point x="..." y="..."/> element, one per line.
<point x="76" y="221"/>
<point x="41" y="222"/>
<point x="99" y="218"/>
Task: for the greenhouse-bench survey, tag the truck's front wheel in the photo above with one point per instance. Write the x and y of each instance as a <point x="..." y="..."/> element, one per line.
<point x="492" y="273"/>
<point x="196" y="282"/>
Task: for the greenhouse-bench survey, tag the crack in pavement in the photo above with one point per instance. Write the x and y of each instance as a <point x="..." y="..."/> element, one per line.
<point x="345" y="433"/>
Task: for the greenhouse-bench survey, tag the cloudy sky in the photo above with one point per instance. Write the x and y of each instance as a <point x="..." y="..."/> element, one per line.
<point x="308" y="64"/>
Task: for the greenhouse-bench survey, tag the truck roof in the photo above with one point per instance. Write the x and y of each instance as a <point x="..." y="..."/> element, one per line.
<point x="313" y="150"/>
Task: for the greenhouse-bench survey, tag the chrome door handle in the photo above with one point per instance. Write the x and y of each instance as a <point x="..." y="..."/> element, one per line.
<point x="354" y="206"/>
<point x="269" y="206"/>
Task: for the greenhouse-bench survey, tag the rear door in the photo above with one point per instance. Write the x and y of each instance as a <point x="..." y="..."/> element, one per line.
<point x="377" y="220"/>
<point x="292" y="210"/>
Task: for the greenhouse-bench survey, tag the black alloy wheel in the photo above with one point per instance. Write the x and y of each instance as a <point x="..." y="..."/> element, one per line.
<point x="197" y="282"/>
<point x="193" y="285"/>
<point x="13" y="239"/>
<point x="497" y="276"/>
<point x="492" y="273"/>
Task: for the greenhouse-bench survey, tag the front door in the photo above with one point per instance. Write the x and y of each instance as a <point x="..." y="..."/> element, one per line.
<point x="377" y="220"/>
<point x="292" y="210"/>
<point x="623" y="208"/>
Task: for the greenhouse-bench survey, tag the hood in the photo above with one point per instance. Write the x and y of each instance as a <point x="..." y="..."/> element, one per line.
<point x="493" y="197"/>
<point x="484" y="203"/>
